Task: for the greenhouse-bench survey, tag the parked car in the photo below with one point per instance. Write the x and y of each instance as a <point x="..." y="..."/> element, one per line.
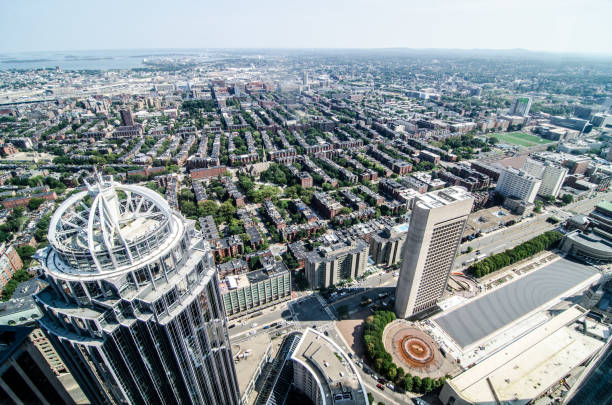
<point x="380" y="386"/>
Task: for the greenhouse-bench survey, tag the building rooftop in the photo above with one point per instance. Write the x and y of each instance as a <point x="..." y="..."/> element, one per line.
<point x="233" y="282"/>
<point x="439" y="198"/>
<point x="247" y="356"/>
<point x="502" y="307"/>
<point x="335" y="372"/>
<point x="530" y="365"/>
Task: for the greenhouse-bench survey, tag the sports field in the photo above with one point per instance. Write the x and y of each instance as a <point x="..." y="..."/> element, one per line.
<point x="521" y="139"/>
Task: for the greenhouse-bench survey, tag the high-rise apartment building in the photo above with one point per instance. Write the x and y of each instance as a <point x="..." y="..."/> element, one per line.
<point x="552" y="176"/>
<point x="520" y="106"/>
<point x="436" y="226"/>
<point x="127" y="118"/>
<point x="386" y="246"/>
<point x="328" y="265"/>
<point x="518" y="184"/>
<point x="552" y="180"/>
<point x="133" y="305"/>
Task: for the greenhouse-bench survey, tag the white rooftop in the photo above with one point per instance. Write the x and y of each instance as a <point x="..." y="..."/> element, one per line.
<point x="526" y="368"/>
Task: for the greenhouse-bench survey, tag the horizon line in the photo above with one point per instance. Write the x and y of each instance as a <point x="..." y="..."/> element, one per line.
<point x="382" y="48"/>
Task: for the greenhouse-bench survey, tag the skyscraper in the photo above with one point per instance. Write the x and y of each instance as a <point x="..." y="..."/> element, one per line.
<point x="127" y="118"/>
<point x="520" y="106"/>
<point x="133" y="305"/>
<point x="436" y="225"/>
<point x="25" y="376"/>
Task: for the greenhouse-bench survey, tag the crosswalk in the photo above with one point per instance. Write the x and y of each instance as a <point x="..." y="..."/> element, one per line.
<point x="325" y="307"/>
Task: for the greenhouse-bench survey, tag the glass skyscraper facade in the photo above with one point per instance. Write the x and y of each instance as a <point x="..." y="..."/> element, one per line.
<point x="133" y="304"/>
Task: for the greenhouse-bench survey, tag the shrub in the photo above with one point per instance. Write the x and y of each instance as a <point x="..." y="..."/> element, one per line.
<point x="382" y="361"/>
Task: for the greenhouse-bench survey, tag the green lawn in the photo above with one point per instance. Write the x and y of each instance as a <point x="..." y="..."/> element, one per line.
<point x="521" y="139"/>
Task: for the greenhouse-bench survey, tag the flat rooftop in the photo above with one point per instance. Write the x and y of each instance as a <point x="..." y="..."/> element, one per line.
<point x="483" y="316"/>
<point x="530" y="365"/>
<point x="331" y="367"/>
<point x="255" y="349"/>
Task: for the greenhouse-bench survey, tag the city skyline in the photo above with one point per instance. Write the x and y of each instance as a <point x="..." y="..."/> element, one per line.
<point x="218" y="226"/>
<point x="543" y="26"/>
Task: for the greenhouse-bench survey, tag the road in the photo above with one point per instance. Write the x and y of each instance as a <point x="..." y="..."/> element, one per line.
<point x="270" y="315"/>
<point x="502" y="239"/>
<point x="507" y="238"/>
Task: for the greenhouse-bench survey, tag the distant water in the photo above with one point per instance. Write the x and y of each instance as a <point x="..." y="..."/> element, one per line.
<point x="88" y="60"/>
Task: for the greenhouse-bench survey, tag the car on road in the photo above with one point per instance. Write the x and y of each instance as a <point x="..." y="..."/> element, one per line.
<point x="382" y="380"/>
<point x="380" y="386"/>
<point x="391" y="386"/>
<point x="266" y="327"/>
<point x="419" y="401"/>
<point x="254" y="324"/>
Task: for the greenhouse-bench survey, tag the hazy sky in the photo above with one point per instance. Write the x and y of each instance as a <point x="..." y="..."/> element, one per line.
<point x="548" y="25"/>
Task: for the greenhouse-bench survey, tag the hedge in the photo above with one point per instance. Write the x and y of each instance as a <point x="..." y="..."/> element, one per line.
<point x="548" y="240"/>
<point x="382" y="361"/>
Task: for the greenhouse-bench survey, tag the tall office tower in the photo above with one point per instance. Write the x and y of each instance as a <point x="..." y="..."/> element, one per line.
<point x="127" y="118"/>
<point x="305" y="78"/>
<point x="133" y="305"/>
<point x="520" y="106"/>
<point x="436" y="226"/>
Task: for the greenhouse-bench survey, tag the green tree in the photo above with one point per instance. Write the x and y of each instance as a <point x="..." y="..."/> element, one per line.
<point x="538" y="207"/>
<point x="207" y="207"/>
<point x="567" y="199"/>
<point x="35" y="203"/>
<point x="427" y="384"/>
<point x="25" y="253"/>
<point x="408" y="383"/>
<point x="392" y="371"/>
<point x="416" y="384"/>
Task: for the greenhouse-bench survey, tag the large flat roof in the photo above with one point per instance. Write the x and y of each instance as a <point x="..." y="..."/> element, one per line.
<point x="483" y="316"/>
<point x="528" y="366"/>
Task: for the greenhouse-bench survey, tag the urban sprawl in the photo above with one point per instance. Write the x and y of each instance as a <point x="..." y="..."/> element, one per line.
<point x="351" y="228"/>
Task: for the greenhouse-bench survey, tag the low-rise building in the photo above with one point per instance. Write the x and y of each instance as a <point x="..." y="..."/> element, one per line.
<point x="10" y="262"/>
<point x="25" y="374"/>
<point x="255" y="290"/>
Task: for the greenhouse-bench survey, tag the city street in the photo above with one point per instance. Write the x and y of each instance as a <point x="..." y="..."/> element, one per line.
<point x="507" y="238"/>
